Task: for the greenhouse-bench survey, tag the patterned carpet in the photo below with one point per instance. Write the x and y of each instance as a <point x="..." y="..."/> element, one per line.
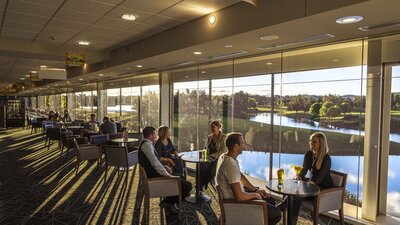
<point x="37" y="186"/>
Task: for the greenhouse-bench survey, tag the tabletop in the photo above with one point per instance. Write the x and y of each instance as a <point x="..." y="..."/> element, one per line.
<point x="290" y="187"/>
<point x="124" y="140"/>
<point x="193" y="157"/>
<point x="75" y="127"/>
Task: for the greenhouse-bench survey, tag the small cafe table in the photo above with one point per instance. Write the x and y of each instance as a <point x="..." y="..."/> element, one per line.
<point x="123" y="141"/>
<point x="193" y="157"/>
<point x="292" y="189"/>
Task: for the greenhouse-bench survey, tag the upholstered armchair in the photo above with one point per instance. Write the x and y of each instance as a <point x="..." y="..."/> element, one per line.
<point x="328" y="199"/>
<point x="86" y="152"/>
<point x="234" y="212"/>
<point x="159" y="187"/>
<point x="118" y="156"/>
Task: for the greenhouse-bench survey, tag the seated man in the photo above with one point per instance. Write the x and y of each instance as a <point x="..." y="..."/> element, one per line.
<point x="153" y="167"/>
<point x="91" y="124"/>
<point x="231" y="180"/>
<point x="108" y="127"/>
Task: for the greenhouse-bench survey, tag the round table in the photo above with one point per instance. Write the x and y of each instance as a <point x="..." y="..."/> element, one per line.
<point x="293" y="189"/>
<point x="193" y="157"/>
<point x="123" y="141"/>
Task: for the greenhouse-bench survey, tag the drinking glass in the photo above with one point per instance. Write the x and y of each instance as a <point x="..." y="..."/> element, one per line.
<point x="297" y="169"/>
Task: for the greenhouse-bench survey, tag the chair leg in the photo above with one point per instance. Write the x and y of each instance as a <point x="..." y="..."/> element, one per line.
<point x="105" y="173"/>
<point x="284" y="217"/>
<point x="146" y="213"/>
<point x="77" y="166"/>
<point x="341" y="216"/>
<point x="315" y="219"/>
<point x="62" y="150"/>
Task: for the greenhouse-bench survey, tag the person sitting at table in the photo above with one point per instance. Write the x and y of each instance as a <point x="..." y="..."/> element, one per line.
<point x="232" y="182"/>
<point x="91" y="124"/>
<point x="108" y="127"/>
<point x="166" y="151"/>
<point x="66" y="117"/>
<point x="318" y="161"/>
<point x="153" y="168"/>
<point x="215" y="145"/>
<point x="51" y="114"/>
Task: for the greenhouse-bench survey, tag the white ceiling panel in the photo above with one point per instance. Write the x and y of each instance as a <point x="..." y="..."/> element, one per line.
<point x="150" y="6"/>
<point x="22" y="26"/>
<point x="26" y="18"/>
<point x="182" y="12"/>
<point x="54" y="3"/>
<point x="33" y="9"/>
<point x="67" y="24"/>
<point x="113" y="23"/>
<point x="9" y="32"/>
<point x="102" y="31"/>
<point x="208" y="6"/>
<point x="58" y="31"/>
<point x="162" y="21"/>
<point x="47" y="37"/>
<point x="76" y="16"/>
<point x="107" y="2"/>
<point x="87" y="6"/>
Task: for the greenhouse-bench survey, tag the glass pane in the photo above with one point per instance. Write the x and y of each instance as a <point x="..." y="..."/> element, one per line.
<point x="113" y="103"/>
<point x="393" y="195"/>
<point x="150" y="106"/>
<point x="130" y="107"/>
<point x="324" y="94"/>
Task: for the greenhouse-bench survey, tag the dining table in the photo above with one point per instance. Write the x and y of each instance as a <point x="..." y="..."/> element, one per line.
<point x="124" y="141"/>
<point x="293" y="189"/>
<point x="194" y="157"/>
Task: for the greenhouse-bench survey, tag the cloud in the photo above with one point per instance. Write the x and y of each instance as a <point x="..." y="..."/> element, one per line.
<point x="393" y="203"/>
<point x="391" y="174"/>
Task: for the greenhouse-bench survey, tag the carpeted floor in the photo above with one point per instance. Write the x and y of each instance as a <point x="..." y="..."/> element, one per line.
<point x="37" y="186"/>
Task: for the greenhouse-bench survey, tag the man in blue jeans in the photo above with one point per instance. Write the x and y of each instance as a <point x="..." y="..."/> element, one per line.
<point x="231" y="180"/>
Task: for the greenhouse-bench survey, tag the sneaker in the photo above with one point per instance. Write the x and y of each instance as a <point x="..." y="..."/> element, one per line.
<point x="283" y="205"/>
<point x="174" y="209"/>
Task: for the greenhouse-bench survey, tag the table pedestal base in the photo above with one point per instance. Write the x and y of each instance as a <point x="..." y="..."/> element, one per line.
<point x="199" y="199"/>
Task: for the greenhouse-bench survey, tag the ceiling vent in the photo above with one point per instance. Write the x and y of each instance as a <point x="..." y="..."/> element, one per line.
<point x="227" y="55"/>
<point x="312" y="38"/>
<point x="395" y="23"/>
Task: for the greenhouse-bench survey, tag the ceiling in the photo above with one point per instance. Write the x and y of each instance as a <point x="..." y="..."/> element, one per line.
<point x="148" y="41"/>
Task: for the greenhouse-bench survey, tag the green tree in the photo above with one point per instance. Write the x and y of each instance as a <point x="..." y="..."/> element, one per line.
<point x="252" y="103"/>
<point x="329" y="109"/>
<point x="345" y="106"/>
<point x="314" y="110"/>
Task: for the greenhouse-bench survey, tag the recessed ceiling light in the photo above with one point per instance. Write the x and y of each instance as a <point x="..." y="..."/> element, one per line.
<point x="22" y="78"/>
<point x="33" y="71"/>
<point x="27" y="75"/>
<point x="268" y="37"/>
<point x="129" y="17"/>
<point x="68" y="82"/>
<point x="100" y="74"/>
<point x="349" y="19"/>
<point x="268" y="63"/>
<point x="212" y="19"/>
<point x="186" y="76"/>
<point x="139" y="66"/>
<point x="83" y="43"/>
<point x="228" y="46"/>
<point x="203" y="71"/>
<point x="43" y="66"/>
<point x="80" y="79"/>
<point x="197" y="53"/>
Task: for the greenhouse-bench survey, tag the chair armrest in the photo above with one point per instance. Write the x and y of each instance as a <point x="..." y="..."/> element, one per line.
<point x="164" y="186"/>
<point x="245" y="212"/>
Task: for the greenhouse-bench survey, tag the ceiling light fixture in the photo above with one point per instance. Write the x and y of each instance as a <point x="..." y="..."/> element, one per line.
<point x="68" y="82"/>
<point x="27" y="76"/>
<point x="212" y="19"/>
<point x="22" y="78"/>
<point x="100" y="74"/>
<point x="268" y="37"/>
<point x="268" y="63"/>
<point x="81" y="79"/>
<point x="349" y="19"/>
<point x="139" y="66"/>
<point x="128" y="16"/>
<point x="43" y="66"/>
<point x="86" y="43"/>
<point x="197" y="53"/>
<point x="228" y="46"/>
<point x="33" y="71"/>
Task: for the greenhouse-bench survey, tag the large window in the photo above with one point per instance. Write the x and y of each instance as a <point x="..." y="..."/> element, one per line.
<point x="393" y="196"/>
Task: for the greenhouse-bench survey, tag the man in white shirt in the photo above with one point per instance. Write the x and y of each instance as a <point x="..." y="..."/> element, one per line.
<point x="154" y="168"/>
<point x="231" y="180"/>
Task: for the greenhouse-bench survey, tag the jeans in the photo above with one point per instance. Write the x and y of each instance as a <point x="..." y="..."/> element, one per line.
<point x="274" y="213"/>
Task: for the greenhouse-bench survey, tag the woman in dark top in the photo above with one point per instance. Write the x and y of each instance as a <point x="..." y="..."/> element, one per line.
<point x="318" y="161"/>
<point x="166" y="151"/>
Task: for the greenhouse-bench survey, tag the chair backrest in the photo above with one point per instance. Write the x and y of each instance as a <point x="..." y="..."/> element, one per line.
<point x="145" y="183"/>
<point x="116" y="155"/>
<point x="242" y="212"/>
<point x="99" y="139"/>
<point x="53" y="133"/>
<point x="339" y="179"/>
<point x="64" y="136"/>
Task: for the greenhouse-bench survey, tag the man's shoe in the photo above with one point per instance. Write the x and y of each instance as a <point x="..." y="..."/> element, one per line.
<point x="174" y="209"/>
<point x="283" y="205"/>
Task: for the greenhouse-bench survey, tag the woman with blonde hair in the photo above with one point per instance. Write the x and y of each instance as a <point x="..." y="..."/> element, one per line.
<point x="166" y="151"/>
<point x="318" y="162"/>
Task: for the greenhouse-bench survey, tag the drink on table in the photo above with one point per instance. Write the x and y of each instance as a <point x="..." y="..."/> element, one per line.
<point x="297" y="169"/>
<point x="281" y="175"/>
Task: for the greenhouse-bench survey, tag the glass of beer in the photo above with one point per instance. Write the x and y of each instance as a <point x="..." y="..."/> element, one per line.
<point x="281" y="175"/>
